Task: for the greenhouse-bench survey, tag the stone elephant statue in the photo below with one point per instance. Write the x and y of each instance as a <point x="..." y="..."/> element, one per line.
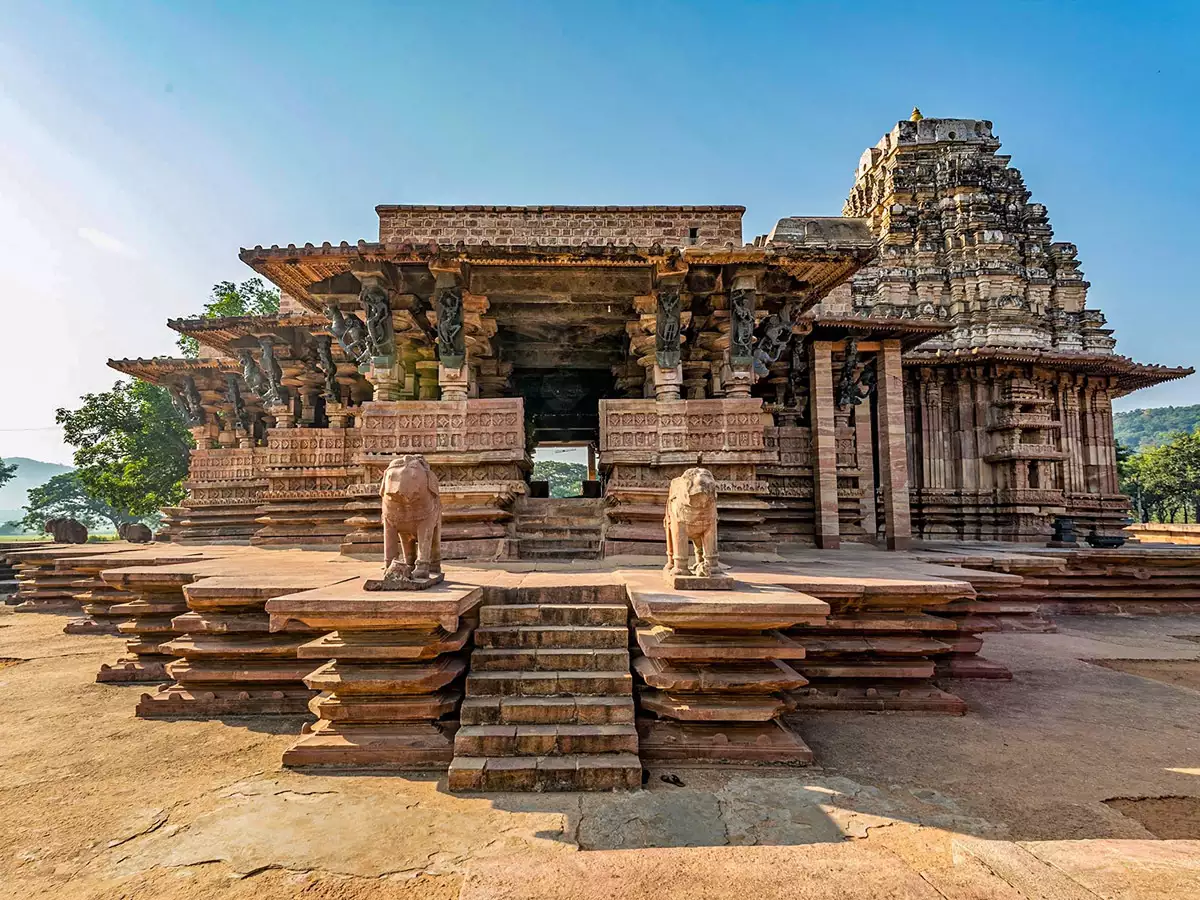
<point x="66" y="531"/>
<point x="412" y="519"/>
<point x="692" y="518"/>
<point x="135" y="533"/>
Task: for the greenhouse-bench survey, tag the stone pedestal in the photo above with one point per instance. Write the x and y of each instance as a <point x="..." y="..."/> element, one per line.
<point x="282" y="414"/>
<point x="454" y="384"/>
<point x="389" y="692"/>
<point x="716" y="670"/>
<point x="668" y="383"/>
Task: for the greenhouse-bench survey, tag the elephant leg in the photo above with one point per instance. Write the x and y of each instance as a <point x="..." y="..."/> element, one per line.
<point x="435" y="550"/>
<point x="424" y="548"/>
<point x="679" y="549"/>
<point x="670" y="551"/>
<point x="410" y="551"/>
<point x="391" y="544"/>
<point x="710" y="551"/>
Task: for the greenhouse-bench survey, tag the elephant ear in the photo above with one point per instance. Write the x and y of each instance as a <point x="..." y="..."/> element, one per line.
<point x="431" y="480"/>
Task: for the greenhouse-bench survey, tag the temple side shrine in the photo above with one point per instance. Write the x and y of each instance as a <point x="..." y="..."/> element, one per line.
<point x="924" y="366"/>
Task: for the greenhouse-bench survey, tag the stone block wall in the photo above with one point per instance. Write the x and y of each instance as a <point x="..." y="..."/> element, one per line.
<point x="671" y="226"/>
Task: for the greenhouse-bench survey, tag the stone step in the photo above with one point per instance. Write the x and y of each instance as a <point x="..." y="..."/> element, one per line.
<point x="559" y="505"/>
<point x="554" y="614"/>
<point x="548" y="684"/>
<point x="559" y="554"/>
<point x="544" y="740"/>
<point x="603" y="772"/>
<point x="600" y="710"/>
<point x="549" y="659"/>
<point x="557" y="543"/>
<point x="567" y="523"/>
<point x="532" y="636"/>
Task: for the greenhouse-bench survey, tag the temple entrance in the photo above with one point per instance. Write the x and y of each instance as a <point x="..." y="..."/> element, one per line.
<point x="563" y="332"/>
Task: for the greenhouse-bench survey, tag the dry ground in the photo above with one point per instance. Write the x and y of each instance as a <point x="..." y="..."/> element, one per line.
<point x="1041" y="791"/>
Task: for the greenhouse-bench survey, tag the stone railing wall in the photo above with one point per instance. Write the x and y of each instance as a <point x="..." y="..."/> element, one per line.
<point x="646" y="443"/>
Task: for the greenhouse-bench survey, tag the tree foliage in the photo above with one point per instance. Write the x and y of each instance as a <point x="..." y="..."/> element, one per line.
<point x="250" y="298"/>
<point x="64" y="496"/>
<point x="132" y="448"/>
<point x="7" y="472"/>
<point x="1142" y="428"/>
<point x="566" y="478"/>
<point x="1163" y="482"/>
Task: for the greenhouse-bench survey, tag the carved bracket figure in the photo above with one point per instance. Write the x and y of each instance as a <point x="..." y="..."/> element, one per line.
<point x="666" y="336"/>
<point x="276" y="394"/>
<point x="854" y="386"/>
<point x="252" y="374"/>
<point x="187" y="400"/>
<point x="776" y="332"/>
<point x="412" y="526"/>
<point x="452" y="344"/>
<point x="237" y="405"/>
<point x="381" y="337"/>
<point x="741" y="335"/>
<point x="350" y="333"/>
<point x="328" y="368"/>
<point x="692" y="518"/>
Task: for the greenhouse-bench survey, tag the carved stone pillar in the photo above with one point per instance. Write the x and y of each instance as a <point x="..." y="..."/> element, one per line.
<point x="739" y="376"/>
<point x="668" y="368"/>
<point x="826" y="528"/>
<point x="893" y="453"/>
<point x="864" y="446"/>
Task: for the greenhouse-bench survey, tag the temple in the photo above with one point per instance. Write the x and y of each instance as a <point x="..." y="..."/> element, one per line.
<point x="881" y="435"/>
<point x="923" y="367"/>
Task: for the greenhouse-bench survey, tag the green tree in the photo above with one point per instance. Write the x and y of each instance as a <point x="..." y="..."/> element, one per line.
<point x="250" y="298"/>
<point x="64" y="496"/>
<point x="7" y="472"/>
<point x="566" y="478"/>
<point x="132" y="447"/>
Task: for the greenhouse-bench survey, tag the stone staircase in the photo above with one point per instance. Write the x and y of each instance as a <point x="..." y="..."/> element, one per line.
<point x="558" y="528"/>
<point x="549" y="701"/>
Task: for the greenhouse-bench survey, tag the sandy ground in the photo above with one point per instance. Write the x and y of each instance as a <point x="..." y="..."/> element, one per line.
<point x="1047" y="778"/>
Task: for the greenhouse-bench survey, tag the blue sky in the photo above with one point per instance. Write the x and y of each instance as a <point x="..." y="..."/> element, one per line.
<point x="143" y="144"/>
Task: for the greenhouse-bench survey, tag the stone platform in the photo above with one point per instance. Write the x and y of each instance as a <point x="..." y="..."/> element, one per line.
<point x="567" y="676"/>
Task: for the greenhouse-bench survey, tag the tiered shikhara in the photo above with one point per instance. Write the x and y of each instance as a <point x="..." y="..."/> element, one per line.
<point x="923" y="366"/>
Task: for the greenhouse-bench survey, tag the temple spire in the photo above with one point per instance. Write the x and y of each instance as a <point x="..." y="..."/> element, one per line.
<point x="916" y="115"/>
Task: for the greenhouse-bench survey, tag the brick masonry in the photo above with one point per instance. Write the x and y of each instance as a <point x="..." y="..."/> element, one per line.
<point x="674" y="226"/>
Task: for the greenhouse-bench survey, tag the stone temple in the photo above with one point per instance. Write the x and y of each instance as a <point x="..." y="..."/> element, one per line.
<point x="920" y="375"/>
<point x="925" y="366"/>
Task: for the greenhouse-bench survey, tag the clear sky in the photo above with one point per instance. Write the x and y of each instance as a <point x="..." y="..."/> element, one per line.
<point x="142" y="144"/>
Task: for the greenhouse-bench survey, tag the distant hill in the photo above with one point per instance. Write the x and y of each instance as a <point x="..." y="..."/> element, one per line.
<point x="31" y="473"/>
<point x="1141" y="428"/>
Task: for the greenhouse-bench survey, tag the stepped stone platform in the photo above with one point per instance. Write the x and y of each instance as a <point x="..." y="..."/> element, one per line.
<point x="225" y="659"/>
<point x="1137" y="579"/>
<point x="97" y="597"/>
<point x="716" y="669"/>
<point x="387" y="669"/>
<point x="569" y="676"/>
<point x="45" y="586"/>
